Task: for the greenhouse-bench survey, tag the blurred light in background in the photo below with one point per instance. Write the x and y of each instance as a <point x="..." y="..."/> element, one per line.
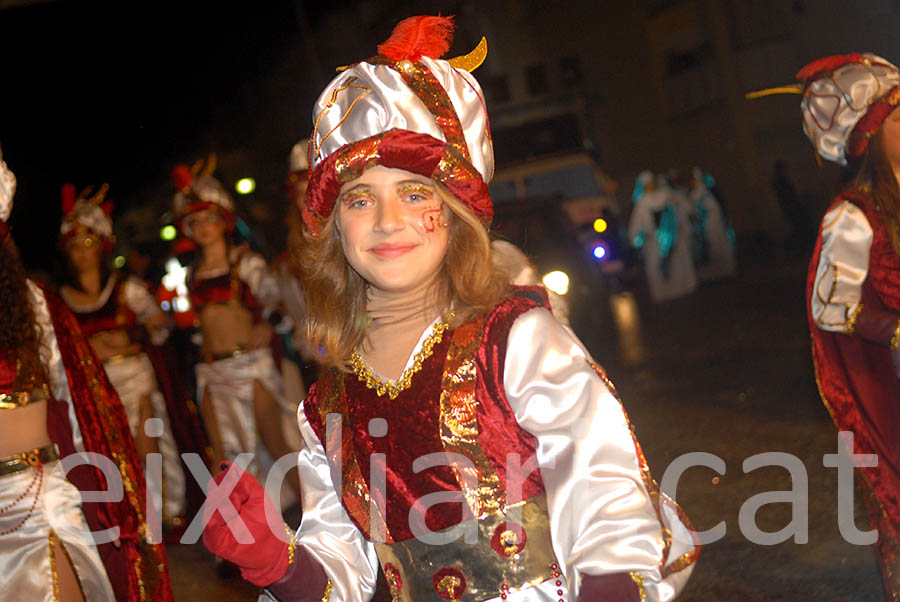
<point x="174" y="280"/>
<point x="168" y="233"/>
<point x="245" y="185"/>
<point x="119" y="262"/>
<point x="181" y="304"/>
<point x="628" y="322"/>
<point x="600" y="225"/>
<point x="557" y="281"/>
<point x="599" y="252"/>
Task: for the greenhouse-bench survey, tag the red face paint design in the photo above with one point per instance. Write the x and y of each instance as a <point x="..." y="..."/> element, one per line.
<point x="433" y="218"/>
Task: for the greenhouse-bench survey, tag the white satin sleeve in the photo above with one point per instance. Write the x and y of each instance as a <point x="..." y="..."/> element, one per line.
<point x="601" y="516"/>
<point x="254" y="270"/>
<point x="145" y="306"/>
<point x="843" y="267"/>
<point x="326" y="530"/>
<point x="52" y="359"/>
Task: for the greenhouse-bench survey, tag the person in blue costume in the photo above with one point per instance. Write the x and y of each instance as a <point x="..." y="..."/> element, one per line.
<point x="661" y="228"/>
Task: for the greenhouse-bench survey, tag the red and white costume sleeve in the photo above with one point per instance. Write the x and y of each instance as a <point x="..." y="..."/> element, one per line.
<point x="842" y="268"/>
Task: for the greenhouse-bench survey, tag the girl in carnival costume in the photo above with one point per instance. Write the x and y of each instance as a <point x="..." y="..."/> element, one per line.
<point x="121" y="318"/>
<point x="233" y="297"/>
<point x="453" y="407"/>
<point x="55" y="400"/>
<point x="851" y="115"/>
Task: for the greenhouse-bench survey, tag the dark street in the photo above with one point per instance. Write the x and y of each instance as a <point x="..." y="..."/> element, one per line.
<point x="726" y="371"/>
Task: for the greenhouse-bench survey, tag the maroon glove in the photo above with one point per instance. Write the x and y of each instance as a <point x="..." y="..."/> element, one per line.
<point x="265" y="560"/>
<point x="618" y="587"/>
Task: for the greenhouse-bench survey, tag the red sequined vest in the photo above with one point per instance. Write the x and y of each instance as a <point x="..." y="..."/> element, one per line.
<point x="456" y="404"/>
<point x="114" y="314"/>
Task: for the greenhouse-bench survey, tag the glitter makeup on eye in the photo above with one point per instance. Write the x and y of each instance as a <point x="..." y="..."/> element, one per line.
<point x="426" y="191"/>
<point x="351" y="196"/>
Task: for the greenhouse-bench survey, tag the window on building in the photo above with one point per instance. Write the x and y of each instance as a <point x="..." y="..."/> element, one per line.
<point x="680" y="61"/>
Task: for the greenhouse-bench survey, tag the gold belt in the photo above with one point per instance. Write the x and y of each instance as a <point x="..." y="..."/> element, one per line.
<point x="226" y="355"/>
<point x="18" y="399"/>
<point x="28" y="459"/>
<point x="121" y="356"/>
<point x="507" y="557"/>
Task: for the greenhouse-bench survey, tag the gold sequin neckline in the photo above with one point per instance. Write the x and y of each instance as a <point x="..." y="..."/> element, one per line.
<point x="394" y="388"/>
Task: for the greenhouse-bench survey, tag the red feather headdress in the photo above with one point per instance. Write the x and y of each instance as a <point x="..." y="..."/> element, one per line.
<point x="183" y="177"/>
<point x="68" y="194"/>
<point x="416" y="37"/>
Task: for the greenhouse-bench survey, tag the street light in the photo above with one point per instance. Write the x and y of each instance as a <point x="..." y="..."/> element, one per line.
<point x="557" y="281"/>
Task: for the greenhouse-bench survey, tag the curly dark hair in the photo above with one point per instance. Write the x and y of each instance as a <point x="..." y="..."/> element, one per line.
<point x="18" y="336"/>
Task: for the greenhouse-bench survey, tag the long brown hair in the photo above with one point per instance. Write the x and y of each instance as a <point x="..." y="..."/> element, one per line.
<point x="876" y="176"/>
<point x="18" y="335"/>
<point x="336" y="320"/>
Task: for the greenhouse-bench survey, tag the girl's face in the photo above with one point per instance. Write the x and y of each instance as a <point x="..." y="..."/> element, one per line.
<point x="205" y="227"/>
<point x="393" y="228"/>
<point x="890" y="132"/>
<point x="85" y="252"/>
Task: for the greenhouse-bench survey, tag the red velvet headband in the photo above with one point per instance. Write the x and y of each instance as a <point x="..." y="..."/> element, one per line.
<point x="81" y="229"/>
<point x="870" y="122"/>
<point x="400" y="149"/>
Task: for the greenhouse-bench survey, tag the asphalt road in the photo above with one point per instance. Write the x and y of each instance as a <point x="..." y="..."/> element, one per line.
<point x="726" y="371"/>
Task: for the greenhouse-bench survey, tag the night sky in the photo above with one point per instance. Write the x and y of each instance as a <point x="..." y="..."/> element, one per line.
<point x="96" y="93"/>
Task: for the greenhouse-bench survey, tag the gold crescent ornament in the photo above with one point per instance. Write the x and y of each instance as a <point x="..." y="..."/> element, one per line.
<point x="472" y="61"/>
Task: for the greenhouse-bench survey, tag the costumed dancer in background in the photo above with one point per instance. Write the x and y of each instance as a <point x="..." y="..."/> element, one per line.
<point x="121" y="319"/>
<point x="432" y="354"/>
<point x="714" y="243"/>
<point x="850" y="113"/>
<point x="660" y="227"/>
<point x="235" y="299"/>
<point x="55" y="400"/>
<point x="292" y="297"/>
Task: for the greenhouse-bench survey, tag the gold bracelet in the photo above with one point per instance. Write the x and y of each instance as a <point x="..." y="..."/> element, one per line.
<point x="895" y="340"/>
<point x="854" y="316"/>
<point x="292" y="543"/>
<point x="639" y="581"/>
<point x="327" y="595"/>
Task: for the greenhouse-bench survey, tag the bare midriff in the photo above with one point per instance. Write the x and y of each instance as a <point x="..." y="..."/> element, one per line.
<point x="23" y="428"/>
<point x="113" y="343"/>
<point x="225" y="327"/>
